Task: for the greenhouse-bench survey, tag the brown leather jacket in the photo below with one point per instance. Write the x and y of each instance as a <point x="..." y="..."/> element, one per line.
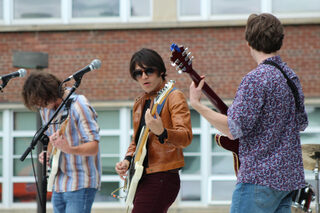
<point x="176" y="119"/>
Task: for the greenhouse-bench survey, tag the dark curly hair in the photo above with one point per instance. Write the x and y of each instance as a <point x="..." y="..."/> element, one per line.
<point x="264" y="32"/>
<point x="41" y="88"/>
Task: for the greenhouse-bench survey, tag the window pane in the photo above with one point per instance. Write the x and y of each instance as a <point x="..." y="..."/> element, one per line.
<point x="23" y="168"/>
<point x="234" y="6"/>
<point x="190" y="190"/>
<point x="307" y="138"/>
<point x="313" y="116"/>
<point x="140" y="8"/>
<point x="189" y="8"/>
<point x="24" y="192"/>
<point x="25" y="121"/>
<point x="0" y="146"/>
<point x="20" y="145"/>
<point x="194" y="146"/>
<point x="1" y="126"/>
<point x="95" y="8"/>
<point x="108" y="119"/>
<point x="222" y="190"/>
<point x="287" y="6"/>
<point x="1" y="169"/>
<point x="108" y="164"/>
<point x="37" y="9"/>
<point x="192" y="165"/>
<point x="109" y="144"/>
<point x="104" y="195"/>
<point x="222" y="165"/>
<point x="1" y="9"/>
<point x="195" y="119"/>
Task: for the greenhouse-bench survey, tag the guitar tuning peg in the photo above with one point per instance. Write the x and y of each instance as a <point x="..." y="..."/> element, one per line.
<point x="185" y="51"/>
<point x="173" y="64"/>
<point x="190" y="61"/>
<point x="180" y="71"/>
<point x="177" y="61"/>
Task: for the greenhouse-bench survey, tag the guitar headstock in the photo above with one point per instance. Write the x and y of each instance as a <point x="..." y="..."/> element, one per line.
<point x="181" y="58"/>
<point x="163" y="93"/>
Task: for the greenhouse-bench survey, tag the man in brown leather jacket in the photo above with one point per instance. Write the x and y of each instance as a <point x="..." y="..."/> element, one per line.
<point x="170" y="132"/>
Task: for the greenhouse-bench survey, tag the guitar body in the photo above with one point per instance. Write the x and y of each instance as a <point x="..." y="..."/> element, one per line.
<point x="136" y="169"/>
<point x="53" y="168"/>
<point x="54" y="159"/>
<point x="181" y="58"/>
<point x="136" y="166"/>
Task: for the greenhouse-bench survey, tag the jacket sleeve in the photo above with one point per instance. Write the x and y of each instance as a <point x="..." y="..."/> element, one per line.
<point x="180" y="134"/>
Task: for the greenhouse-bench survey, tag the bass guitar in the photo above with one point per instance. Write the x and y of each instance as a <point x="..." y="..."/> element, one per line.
<point x="182" y="59"/>
<point x="136" y="166"/>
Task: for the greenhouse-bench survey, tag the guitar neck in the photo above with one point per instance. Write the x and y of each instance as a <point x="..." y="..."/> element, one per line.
<point x="211" y="95"/>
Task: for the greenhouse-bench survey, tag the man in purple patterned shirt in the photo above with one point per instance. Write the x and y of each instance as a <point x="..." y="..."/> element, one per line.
<point x="266" y="115"/>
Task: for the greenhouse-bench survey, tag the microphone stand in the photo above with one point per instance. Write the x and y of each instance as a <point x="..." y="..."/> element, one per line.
<point x="40" y="135"/>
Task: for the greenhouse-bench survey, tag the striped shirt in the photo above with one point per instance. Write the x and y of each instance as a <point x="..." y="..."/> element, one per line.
<point x="265" y="119"/>
<point x="75" y="171"/>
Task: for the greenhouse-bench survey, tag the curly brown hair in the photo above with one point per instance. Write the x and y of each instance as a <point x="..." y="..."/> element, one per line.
<point x="41" y="88"/>
<point x="264" y="32"/>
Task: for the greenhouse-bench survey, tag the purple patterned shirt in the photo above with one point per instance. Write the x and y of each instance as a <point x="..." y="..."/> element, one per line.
<point x="264" y="118"/>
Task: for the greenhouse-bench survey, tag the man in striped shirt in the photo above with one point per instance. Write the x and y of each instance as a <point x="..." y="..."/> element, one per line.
<point x="79" y="168"/>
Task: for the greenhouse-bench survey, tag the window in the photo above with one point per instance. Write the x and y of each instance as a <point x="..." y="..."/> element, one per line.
<point x="189" y="8"/>
<point x="235" y="9"/>
<point x="24" y="127"/>
<point x="223" y="7"/>
<point x="95" y="8"/>
<point x="295" y="6"/>
<point x="140" y="8"/>
<point x="31" y="9"/>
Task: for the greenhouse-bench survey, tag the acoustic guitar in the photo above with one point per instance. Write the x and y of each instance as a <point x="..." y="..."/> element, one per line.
<point x="136" y="166"/>
<point x="182" y="59"/>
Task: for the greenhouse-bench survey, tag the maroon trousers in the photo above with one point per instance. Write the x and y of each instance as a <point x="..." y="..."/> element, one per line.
<point x="156" y="192"/>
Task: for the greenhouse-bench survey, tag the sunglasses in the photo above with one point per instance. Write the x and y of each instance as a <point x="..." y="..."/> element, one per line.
<point x="147" y="71"/>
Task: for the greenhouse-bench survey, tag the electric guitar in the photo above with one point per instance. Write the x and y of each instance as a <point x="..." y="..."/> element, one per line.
<point x="54" y="158"/>
<point x="182" y="59"/>
<point x="136" y="166"/>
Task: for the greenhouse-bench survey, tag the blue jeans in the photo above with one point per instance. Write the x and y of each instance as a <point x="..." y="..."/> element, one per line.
<point x="79" y="201"/>
<point x="251" y="198"/>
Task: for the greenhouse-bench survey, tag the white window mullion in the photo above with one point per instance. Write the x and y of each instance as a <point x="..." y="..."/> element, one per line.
<point x="7" y="11"/>
<point x="206" y="143"/>
<point x="266" y="6"/>
<point x="205" y="9"/>
<point x="125" y="6"/>
<point x="124" y="136"/>
<point x="7" y="162"/>
<point x="66" y="11"/>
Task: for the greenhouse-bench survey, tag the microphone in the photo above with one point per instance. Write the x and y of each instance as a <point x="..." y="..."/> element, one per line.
<point x="95" y="64"/>
<point x="7" y="77"/>
<point x="19" y="73"/>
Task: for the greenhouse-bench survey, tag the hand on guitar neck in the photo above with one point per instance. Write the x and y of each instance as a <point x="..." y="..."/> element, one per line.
<point x="181" y="58"/>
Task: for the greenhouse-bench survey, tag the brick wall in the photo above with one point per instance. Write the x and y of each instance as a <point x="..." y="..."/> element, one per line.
<point x="220" y="53"/>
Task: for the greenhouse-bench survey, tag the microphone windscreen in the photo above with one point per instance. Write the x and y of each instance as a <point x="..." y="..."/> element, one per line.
<point x="22" y="72"/>
<point x="96" y="64"/>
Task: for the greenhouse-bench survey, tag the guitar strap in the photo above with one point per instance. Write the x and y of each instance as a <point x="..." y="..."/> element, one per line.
<point x="160" y="106"/>
<point x="290" y="83"/>
<point x="65" y="112"/>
